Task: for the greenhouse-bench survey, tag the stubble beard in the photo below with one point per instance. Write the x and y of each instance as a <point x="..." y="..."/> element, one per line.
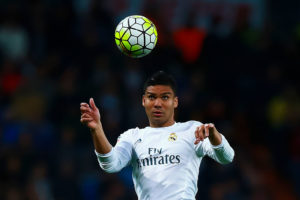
<point x="159" y="122"/>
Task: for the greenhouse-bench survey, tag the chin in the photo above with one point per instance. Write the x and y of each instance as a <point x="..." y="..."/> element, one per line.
<point x="157" y="122"/>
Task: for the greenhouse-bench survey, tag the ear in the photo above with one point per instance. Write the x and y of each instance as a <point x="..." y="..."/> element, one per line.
<point x="175" y="102"/>
<point x="143" y="100"/>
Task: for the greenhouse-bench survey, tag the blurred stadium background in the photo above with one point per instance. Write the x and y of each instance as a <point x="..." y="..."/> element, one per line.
<point x="235" y="62"/>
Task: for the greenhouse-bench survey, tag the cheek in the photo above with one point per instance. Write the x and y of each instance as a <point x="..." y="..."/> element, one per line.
<point x="169" y="106"/>
<point x="147" y="104"/>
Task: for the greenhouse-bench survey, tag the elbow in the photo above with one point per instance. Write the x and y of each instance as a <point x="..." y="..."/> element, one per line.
<point x="228" y="159"/>
<point x="109" y="169"/>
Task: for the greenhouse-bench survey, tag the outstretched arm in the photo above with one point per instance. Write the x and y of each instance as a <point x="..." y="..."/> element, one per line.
<point x="110" y="159"/>
<point x="217" y="147"/>
<point x="90" y="116"/>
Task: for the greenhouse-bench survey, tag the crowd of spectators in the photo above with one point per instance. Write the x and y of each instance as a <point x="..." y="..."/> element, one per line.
<point x="55" y="55"/>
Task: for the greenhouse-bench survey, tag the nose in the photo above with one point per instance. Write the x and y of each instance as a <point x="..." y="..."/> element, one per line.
<point x="157" y="103"/>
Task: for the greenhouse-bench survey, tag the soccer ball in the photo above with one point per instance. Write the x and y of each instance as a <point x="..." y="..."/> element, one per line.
<point x="136" y="36"/>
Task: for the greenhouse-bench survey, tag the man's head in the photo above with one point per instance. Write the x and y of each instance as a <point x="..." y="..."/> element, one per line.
<point x="160" y="99"/>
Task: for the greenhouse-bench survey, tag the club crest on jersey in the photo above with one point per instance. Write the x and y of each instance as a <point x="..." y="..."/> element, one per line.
<point x="172" y="137"/>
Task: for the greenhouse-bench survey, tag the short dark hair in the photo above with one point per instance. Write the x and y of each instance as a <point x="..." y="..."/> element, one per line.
<point x="160" y="78"/>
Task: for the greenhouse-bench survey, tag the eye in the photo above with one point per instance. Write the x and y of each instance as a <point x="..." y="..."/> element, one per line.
<point x="151" y="97"/>
<point x="165" y="97"/>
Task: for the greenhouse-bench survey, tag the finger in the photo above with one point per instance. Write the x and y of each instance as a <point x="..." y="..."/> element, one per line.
<point x="84" y="104"/>
<point x="211" y="125"/>
<point x="86" y="119"/>
<point x="92" y="103"/>
<point x="197" y="135"/>
<point x="85" y="109"/>
<point x="206" y="130"/>
<point x="196" y="132"/>
<point x="212" y="128"/>
<point x="201" y="132"/>
<point x="86" y="115"/>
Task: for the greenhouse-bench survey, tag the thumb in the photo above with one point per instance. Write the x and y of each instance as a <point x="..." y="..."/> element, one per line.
<point x="92" y="104"/>
<point x="211" y="125"/>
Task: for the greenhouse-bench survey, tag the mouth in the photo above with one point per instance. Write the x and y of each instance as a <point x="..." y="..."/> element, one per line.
<point x="157" y="114"/>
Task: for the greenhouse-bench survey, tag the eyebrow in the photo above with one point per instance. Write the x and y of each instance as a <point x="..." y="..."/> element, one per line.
<point x="161" y="94"/>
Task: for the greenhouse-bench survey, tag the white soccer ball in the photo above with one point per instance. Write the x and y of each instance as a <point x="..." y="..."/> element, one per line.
<point x="136" y="36"/>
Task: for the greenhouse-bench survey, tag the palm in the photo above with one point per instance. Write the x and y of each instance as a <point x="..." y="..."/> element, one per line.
<point x="95" y="122"/>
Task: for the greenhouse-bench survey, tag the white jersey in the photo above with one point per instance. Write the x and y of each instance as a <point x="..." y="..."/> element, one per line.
<point x="165" y="160"/>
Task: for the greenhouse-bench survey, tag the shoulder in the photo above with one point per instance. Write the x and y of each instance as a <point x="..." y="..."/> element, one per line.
<point x="189" y="124"/>
<point x="187" y="130"/>
<point x="129" y="135"/>
<point x="194" y="123"/>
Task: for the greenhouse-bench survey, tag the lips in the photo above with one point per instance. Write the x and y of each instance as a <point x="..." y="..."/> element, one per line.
<point x="157" y="114"/>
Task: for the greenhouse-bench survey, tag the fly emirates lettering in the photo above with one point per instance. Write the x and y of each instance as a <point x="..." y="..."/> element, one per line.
<point x="158" y="159"/>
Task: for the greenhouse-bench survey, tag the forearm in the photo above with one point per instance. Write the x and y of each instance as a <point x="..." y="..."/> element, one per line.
<point x="100" y="141"/>
<point x="109" y="162"/>
<point x="223" y="152"/>
<point x="215" y="138"/>
<point x="118" y="157"/>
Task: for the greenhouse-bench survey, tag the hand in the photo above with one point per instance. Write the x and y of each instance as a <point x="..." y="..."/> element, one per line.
<point x="210" y="131"/>
<point x="90" y="115"/>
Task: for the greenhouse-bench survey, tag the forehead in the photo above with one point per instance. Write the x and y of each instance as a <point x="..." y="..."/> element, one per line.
<point x="159" y="89"/>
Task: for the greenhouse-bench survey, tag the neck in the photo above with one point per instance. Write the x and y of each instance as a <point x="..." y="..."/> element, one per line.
<point x="160" y="125"/>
